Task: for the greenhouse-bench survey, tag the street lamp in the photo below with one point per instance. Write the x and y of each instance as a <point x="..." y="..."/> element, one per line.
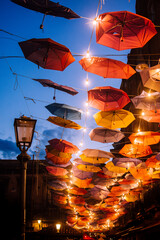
<point x="24" y="130"/>
<point x="58" y="226"/>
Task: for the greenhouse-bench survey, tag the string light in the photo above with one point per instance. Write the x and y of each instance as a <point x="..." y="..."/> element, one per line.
<point x="87" y="82"/>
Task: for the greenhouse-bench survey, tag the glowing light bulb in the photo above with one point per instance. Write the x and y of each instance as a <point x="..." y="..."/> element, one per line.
<point x="86" y="103"/>
<point x="87" y="112"/>
<point x="84" y="129"/>
<point x="149" y="94"/>
<point x="81" y="144"/>
<point x="138" y="130"/>
<point x="87" y="82"/>
<point x="87" y="54"/>
<point x="94" y="21"/>
<point x="142" y="113"/>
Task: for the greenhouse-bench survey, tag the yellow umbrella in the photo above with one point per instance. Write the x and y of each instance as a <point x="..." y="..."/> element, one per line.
<point x="64" y="123"/>
<point x="114" y="119"/>
<point x="94" y="160"/>
<point x="88" y="168"/>
<point x="111" y="167"/>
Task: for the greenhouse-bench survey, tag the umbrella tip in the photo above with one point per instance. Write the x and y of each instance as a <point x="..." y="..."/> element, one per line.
<point x="41" y="26"/>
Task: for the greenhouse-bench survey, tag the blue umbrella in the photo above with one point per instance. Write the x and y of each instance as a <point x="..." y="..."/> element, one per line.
<point x="64" y="111"/>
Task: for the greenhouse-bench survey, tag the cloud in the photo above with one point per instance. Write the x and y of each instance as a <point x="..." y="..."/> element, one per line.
<point x="8" y="149"/>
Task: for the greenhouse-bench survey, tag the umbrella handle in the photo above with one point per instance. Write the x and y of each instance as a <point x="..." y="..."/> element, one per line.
<point x="41" y="26"/>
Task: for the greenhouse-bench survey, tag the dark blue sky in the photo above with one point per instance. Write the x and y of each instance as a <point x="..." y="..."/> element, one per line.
<point x="74" y="34"/>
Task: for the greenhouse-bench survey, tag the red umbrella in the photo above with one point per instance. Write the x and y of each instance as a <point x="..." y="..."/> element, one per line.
<point x="123" y="30"/>
<point x="107" y="98"/>
<point x="47" y="53"/>
<point x="107" y="68"/>
<point x="56" y="171"/>
<point x="63" y="146"/>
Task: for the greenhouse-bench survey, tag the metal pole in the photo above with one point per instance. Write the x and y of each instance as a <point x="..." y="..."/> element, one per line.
<point x="23" y="158"/>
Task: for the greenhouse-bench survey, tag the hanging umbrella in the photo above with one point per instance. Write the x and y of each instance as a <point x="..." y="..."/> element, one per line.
<point x="145" y="138"/>
<point x="114" y="119"/>
<point x="151" y="115"/>
<point x="97" y="153"/>
<point x="77" y="191"/>
<point x="151" y="77"/>
<point x="57" y="160"/>
<point x="58" y="185"/>
<point x="107" y="98"/>
<point x="49" y="83"/>
<point x="148" y="101"/>
<point x="64" y="123"/>
<point x="56" y="171"/>
<point x="107" y="68"/>
<point x="112" y="168"/>
<point x="76" y="200"/>
<point x="63" y="146"/>
<point x="141" y="173"/>
<point x="81" y="183"/>
<point x="111" y="201"/>
<point x="47" y="53"/>
<point x="105" y="135"/>
<point x="152" y="162"/>
<point x="81" y="174"/>
<point x="117" y="191"/>
<point x="54" y="152"/>
<point x="48" y="8"/>
<point x="93" y="160"/>
<point x="64" y="111"/>
<point x="135" y="150"/>
<point x="126" y="162"/>
<point x="64" y="165"/>
<point x="130" y="197"/>
<point x="123" y="30"/>
<point x="98" y="193"/>
<point x="88" y="168"/>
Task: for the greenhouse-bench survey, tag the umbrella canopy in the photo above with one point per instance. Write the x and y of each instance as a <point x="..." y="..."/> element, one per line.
<point x="151" y="77"/>
<point x="58" y="185"/>
<point x="152" y="162"/>
<point x="77" y="191"/>
<point x="112" y="168"/>
<point x="88" y="168"/>
<point x="148" y="101"/>
<point x="57" y="160"/>
<point x="126" y="162"/>
<point x="63" y="146"/>
<point x="54" y="152"/>
<point x="97" y="153"/>
<point x="107" y="98"/>
<point x="105" y="135"/>
<point x="64" y="111"/>
<point x="141" y="173"/>
<point x="114" y="119"/>
<point x="81" y="183"/>
<point x="93" y="160"/>
<point x="98" y="193"/>
<point x="64" y="123"/>
<point x="135" y="150"/>
<point x="145" y="138"/>
<point x="49" y="83"/>
<point x="78" y="173"/>
<point x="64" y="165"/>
<point x="107" y="68"/>
<point x="56" y="171"/>
<point x="47" y="53"/>
<point x="48" y="8"/>
<point x="151" y="115"/>
<point x="123" y="30"/>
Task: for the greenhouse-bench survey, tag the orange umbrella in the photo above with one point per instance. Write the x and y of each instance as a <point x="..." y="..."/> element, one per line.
<point x="107" y="98"/>
<point x="151" y="115"/>
<point x="107" y="68"/>
<point x="54" y="152"/>
<point x="141" y="173"/>
<point x="117" y="191"/>
<point x="63" y="146"/>
<point x="111" y="201"/>
<point x="145" y="138"/>
<point x="135" y="150"/>
<point x="77" y="200"/>
<point x="77" y="191"/>
<point x="56" y="160"/>
<point x="81" y="183"/>
<point x="56" y="171"/>
<point x="152" y="162"/>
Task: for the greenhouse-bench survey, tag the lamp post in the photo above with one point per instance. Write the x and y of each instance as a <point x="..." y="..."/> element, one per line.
<point x="24" y="130"/>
